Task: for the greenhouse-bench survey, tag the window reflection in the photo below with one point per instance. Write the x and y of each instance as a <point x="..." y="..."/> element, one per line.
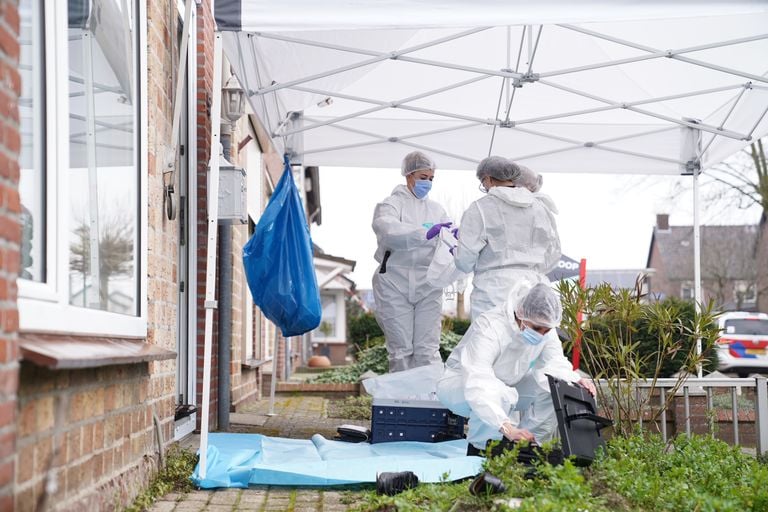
<point x="103" y="175"/>
<point x="327" y="327"/>
<point x="32" y="169"/>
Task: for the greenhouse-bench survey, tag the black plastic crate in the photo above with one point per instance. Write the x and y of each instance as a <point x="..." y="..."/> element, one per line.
<point x="413" y="420"/>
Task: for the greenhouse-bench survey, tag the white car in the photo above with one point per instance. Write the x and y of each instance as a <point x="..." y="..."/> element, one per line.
<point x="743" y="344"/>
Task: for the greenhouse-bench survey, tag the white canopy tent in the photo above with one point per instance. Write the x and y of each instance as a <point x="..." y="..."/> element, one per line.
<point x="597" y="86"/>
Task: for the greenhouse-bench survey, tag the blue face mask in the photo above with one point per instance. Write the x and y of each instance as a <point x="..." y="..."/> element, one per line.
<point x="421" y="188"/>
<point x="532" y="337"/>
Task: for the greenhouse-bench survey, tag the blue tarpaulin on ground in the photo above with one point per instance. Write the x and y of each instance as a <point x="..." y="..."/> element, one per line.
<point x="238" y="460"/>
<point x="278" y="262"/>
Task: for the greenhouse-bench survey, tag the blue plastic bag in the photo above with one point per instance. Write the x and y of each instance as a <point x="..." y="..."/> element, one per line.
<point x="278" y="263"/>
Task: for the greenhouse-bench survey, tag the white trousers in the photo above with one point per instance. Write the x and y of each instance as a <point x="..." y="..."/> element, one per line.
<point x="410" y="319"/>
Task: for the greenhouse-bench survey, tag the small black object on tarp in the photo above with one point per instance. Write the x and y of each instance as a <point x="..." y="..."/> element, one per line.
<point x="579" y="423"/>
<point x="352" y="434"/>
<point x="395" y="483"/>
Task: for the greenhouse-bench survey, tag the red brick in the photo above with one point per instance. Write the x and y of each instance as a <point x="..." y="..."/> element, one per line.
<point x="73" y="445"/>
<point x="26" y="467"/>
<point x="6" y="502"/>
<point x="11" y="14"/>
<point x="7" y="413"/>
<point x="7" y="444"/>
<point x="6" y="473"/>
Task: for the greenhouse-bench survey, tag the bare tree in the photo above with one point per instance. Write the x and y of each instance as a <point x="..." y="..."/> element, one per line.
<point x="740" y="181"/>
<point x="115" y="252"/>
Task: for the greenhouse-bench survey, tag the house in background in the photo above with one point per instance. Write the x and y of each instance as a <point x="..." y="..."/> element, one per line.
<point x="330" y="337"/>
<point x="762" y="264"/>
<point x="622" y="279"/>
<point x="731" y="267"/>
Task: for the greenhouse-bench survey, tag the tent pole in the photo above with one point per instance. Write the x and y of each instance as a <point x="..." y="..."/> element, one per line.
<point x="273" y="380"/>
<point x="210" y="271"/>
<point x="697" y="260"/>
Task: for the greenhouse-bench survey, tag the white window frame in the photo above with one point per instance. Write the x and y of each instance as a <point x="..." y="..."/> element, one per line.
<point x="686" y="285"/>
<point x="253" y="176"/>
<point x="268" y="342"/>
<point x="44" y="306"/>
<point x="340" y="327"/>
<point x="749" y="286"/>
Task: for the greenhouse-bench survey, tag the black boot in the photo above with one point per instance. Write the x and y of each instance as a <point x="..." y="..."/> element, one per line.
<point x="395" y="483"/>
<point x="485" y="484"/>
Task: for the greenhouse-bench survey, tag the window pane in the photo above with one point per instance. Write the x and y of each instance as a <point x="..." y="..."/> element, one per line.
<point x="327" y="327"/>
<point x="31" y="109"/>
<point x="103" y="176"/>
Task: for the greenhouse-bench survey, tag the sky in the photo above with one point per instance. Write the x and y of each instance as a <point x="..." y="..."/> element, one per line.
<point x="607" y="219"/>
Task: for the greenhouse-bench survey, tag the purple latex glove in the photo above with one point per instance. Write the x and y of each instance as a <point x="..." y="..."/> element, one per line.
<point x="434" y="230"/>
<point x="452" y="250"/>
<point x="455" y="233"/>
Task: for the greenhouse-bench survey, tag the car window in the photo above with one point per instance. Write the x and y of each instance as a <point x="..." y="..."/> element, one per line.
<point x="746" y="326"/>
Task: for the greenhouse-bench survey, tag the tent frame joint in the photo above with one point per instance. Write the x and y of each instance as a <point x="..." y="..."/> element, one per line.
<point x="692" y="166"/>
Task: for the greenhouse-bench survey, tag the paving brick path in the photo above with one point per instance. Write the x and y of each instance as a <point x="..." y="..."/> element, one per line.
<point x="297" y="417"/>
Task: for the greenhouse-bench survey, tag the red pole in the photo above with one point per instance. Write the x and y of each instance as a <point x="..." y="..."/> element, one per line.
<point x="579" y="314"/>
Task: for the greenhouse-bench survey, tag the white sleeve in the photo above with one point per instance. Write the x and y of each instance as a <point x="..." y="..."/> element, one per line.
<point x="472" y="239"/>
<point x="553" y="362"/>
<point x="392" y="233"/>
<point x="552" y="250"/>
<point x="483" y="391"/>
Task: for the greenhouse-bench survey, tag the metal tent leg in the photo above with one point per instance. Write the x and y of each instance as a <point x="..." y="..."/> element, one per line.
<point x="210" y="272"/>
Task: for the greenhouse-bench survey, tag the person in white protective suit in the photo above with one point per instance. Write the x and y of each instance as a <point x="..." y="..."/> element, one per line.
<point x="499" y="369"/>
<point x="533" y="181"/>
<point x="407" y="308"/>
<point x="505" y="236"/>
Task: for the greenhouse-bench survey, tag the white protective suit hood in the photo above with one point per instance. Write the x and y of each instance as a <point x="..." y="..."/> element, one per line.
<point x="515" y="196"/>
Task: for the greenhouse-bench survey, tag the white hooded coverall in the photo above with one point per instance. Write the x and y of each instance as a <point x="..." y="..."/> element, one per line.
<point x="506" y="236"/>
<point x="493" y="371"/>
<point x="407" y="308"/>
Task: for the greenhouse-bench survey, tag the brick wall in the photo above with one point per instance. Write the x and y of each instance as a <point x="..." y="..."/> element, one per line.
<point x="205" y="28"/>
<point x="10" y="237"/>
<point x="87" y="439"/>
<point x="162" y="234"/>
<point x="244" y="384"/>
<point x="86" y="436"/>
<point x="762" y="265"/>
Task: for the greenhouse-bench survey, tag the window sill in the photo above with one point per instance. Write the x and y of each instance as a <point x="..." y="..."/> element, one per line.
<point x="252" y="364"/>
<point x="67" y="352"/>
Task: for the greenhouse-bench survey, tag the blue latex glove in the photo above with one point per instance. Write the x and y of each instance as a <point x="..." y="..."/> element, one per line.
<point x="434" y="230"/>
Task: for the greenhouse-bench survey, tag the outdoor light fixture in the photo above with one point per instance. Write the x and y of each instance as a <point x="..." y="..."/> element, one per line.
<point x="232" y="100"/>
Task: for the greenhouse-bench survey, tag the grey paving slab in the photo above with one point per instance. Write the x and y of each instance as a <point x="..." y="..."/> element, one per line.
<point x="163" y="506"/>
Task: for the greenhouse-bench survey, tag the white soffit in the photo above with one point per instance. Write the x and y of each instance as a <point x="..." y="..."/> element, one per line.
<point x="589" y="93"/>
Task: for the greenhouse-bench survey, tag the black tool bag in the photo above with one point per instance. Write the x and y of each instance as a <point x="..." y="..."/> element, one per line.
<point x="352" y="434"/>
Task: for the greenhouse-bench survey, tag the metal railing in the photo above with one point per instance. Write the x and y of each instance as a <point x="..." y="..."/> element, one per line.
<point x="708" y="386"/>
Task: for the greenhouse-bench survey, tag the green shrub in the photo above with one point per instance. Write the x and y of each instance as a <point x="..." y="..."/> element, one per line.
<point x="375" y="358"/>
<point x="625" y="339"/>
<point x="455" y="325"/>
<point x="361" y="330"/>
<point x="639" y="473"/>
